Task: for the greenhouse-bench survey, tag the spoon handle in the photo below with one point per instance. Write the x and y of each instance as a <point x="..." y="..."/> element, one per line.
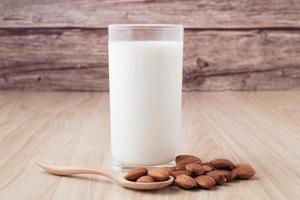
<point x="67" y="171"/>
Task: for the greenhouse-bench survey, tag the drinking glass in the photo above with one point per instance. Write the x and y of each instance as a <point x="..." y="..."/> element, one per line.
<point x="145" y="84"/>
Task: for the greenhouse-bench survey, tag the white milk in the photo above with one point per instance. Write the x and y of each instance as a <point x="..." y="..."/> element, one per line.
<point x="145" y="80"/>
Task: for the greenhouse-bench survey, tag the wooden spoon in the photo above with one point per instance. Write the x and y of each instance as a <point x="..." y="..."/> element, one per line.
<point x="116" y="177"/>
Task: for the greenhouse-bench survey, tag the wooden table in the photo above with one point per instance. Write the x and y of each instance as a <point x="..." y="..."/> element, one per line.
<point x="260" y="128"/>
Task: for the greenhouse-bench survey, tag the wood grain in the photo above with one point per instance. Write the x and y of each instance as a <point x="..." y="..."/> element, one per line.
<point x="260" y="128"/>
<point x="76" y="60"/>
<point x="193" y="14"/>
<point x="229" y="45"/>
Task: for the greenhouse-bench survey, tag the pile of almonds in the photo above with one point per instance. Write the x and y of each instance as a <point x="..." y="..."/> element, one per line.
<point x="190" y="172"/>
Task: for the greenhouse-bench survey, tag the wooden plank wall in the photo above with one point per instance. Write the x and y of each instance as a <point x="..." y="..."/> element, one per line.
<point x="229" y="45"/>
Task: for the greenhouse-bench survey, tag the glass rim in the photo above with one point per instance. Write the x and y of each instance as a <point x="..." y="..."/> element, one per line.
<point x="129" y="27"/>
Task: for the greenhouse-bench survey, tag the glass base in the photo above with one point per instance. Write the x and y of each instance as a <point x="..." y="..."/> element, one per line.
<point x="117" y="166"/>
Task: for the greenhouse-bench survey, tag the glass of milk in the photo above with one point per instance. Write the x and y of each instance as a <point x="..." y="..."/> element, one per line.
<point x="145" y="82"/>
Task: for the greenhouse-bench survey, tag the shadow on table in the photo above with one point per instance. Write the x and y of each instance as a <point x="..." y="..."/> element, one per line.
<point x="170" y="190"/>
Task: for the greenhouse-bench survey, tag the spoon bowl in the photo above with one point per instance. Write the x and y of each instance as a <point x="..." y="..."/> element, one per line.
<point x="147" y="186"/>
<point x="116" y="177"/>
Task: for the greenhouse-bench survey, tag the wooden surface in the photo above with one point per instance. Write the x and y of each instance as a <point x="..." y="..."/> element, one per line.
<point x="191" y="13"/>
<point x="229" y="45"/>
<point x="76" y="60"/>
<point x="260" y="128"/>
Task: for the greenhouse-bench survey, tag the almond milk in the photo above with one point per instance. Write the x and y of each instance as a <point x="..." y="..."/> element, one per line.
<point x="145" y="80"/>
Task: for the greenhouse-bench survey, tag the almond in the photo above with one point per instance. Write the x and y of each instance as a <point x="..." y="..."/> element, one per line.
<point x="219" y="178"/>
<point x="233" y="175"/>
<point x="159" y="174"/>
<point x="145" y="179"/>
<point x="183" y="160"/>
<point x="205" y="181"/>
<point x="185" y="182"/>
<point x="221" y="163"/>
<point x="241" y="165"/>
<point x="171" y="169"/>
<point x="244" y="171"/>
<point x="207" y="168"/>
<point x="179" y="172"/>
<point x="195" y="168"/>
<point x="135" y="173"/>
<point x="229" y="175"/>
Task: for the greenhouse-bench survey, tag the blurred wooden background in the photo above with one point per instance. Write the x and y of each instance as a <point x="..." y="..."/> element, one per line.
<point x="229" y="45"/>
